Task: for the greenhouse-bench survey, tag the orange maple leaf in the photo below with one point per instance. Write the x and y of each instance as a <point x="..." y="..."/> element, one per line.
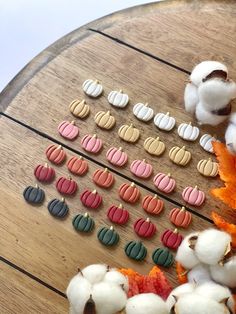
<point x="227" y="172"/>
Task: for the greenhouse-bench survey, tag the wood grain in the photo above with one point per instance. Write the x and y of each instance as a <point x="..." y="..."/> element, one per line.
<point x="43" y="104"/>
<point x="21" y="294"/>
<point x="50" y="248"/>
<point x="185" y="34"/>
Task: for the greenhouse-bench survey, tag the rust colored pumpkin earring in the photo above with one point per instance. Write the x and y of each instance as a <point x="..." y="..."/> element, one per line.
<point x="77" y="165"/>
<point x="180" y="217"/>
<point x="152" y="204"/>
<point x="55" y="154"/>
<point x="103" y="178"/>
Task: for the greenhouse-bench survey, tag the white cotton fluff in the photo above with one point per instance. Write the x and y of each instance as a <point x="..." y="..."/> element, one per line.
<point x="177" y="292"/>
<point x="78" y="293"/>
<point x="116" y="277"/>
<point x="193" y="303"/>
<point x="185" y="255"/>
<point x="204" y="116"/>
<point x="216" y="292"/>
<point x="146" y="303"/>
<point x="108" y="297"/>
<point x="95" y="272"/>
<point x="226" y="274"/>
<point x="211" y="246"/>
<point x="199" y="274"/>
<point x="216" y="93"/>
<point x="203" y="69"/>
<point x="191" y="98"/>
<point x="230" y="134"/>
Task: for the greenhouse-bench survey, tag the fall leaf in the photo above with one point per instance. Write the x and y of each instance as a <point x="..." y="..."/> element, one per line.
<point x="181" y="273"/>
<point x="227" y="172"/>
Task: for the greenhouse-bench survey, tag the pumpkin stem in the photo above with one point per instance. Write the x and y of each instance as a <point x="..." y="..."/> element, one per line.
<point x="46" y="165"/>
<point x="168" y="113"/>
<point x="155" y="196"/>
<point x="63" y="200"/>
<point x="169" y="175"/>
<point x="190" y="123"/>
<point x="132" y="184"/>
<point x="120" y="148"/>
<point x="80" y="158"/>
<point x="106" y="170"/>
<point x="176" y="230"/>
<point x="146" y="104"/>
<point x="182" y="209"/>
<point x="111" y="228"/>
<point x="131" y="125"/>
<point x="144" y="160"/>
<point x="94" y="135"/>
<point x="86" y="215"/>
<point x="157" y="138"/>
<point x="196" y="187"/>
<point x="120" y="206"/>
<point x="72" y="122"/>
<point x="96" y="81"/>
<point x="108" y="112"/>
<point x="121" y="91"/>
<point x="59" y="147"/>
<point x="94" y="192"/>
<point x="36" y="185"/>
<point x="148" y="220"/>
<point x="183" y="147"/>
<point x="83" y="101"/>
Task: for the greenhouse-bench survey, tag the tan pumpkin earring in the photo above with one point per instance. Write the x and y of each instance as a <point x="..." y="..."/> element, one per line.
<point x="208" y="167"/>
<point x="79" y="109"/>
<point x="154" y="146"/>
<point x="180" y="156"/>
<point x="129" y="133"/>
<point x="105" y="120"/>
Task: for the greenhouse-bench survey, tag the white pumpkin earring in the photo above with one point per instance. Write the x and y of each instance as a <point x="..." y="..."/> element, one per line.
<point x="143" y="112"/>
<point x="92" y="88"/>
<point x="188" y="132"/>
<point x="206" y="142"/>
<point x="118" y="99"/>
<point x="164" y="121"/>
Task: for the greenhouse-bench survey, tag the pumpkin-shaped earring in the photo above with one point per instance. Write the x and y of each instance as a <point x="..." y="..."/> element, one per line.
<point x="34" y="195"/>
<point x="79" y="109"/>
<point x="77" y="165"/>
<point x="83" y="223"/>
<point x="208" y="167"/>
<point x="91" y="199"/>
<point x="129" y="133"/>
<point x="44" y="173"/>
<point x="118" y="99"/>
<point x="180" y="217"/>
<point x="141" y="169"/>
<point x="58" y="208"/>
<point x="108" y="236"/>
<point x="92" y="88"/>
<point x="154" y="146"/>
<point x="66" y="186"/>
<point x="129" y="193"/>
<point x="144" y="228"/>
<point x="206" y="142"/>
<point x="164" y="182"/>
<point x="91" y="143"/>
<point x="193" y="196"/>
<point x="164" y="121"/>
<point x="135" y="250"/>
<point x="105" y="120"/>
<point x="180" y="156"/>
<point x="188" y="132"/>
<point x="143" y="112"/>
<point x="68" y="130"/>
<point x="103" y="178"/>
<point x="116" y="156"/>
<point x="55" y="154"/>
<point x="152" y="204"/>
<point x="118" y="215"/>
<point x="171" y="239"/>
<point x="163" y="257"/>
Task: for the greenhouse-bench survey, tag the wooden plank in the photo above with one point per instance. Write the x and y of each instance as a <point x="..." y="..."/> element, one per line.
<point x="21" y="294"/>
<point x="43" y="104"/>
<point x="46" y="247"/>
<point x="183" y="33"/>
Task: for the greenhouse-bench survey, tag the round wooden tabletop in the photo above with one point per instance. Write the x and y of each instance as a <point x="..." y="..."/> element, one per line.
<point x="148" y="52"/>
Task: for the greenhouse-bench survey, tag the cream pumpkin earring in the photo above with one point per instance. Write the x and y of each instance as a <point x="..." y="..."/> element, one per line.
<point x="143" y="112"/>
<point x="92" y="88"/>
<point x="118" y="99"/>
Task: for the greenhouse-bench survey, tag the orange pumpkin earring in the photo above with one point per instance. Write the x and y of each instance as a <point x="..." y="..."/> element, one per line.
<point x="77" y="165"/>
<point x="103" y="178"/>
<point x="180" y="217"/>
<point x="152" y="204"/>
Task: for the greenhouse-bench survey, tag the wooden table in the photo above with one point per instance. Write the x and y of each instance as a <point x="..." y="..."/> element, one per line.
<point x="148" y="51"/>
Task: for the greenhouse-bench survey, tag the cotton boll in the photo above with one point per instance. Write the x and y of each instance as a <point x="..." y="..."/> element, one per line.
<point x="204" y="116"/>
<point x="226" y="274"/>
<point x="230" y="134"/>
<point x="95" y="273"/>
<point x="215" y="93"/>
<point x="199" y="274"/>
<point x="185" y="255"/>
<point x="78" y="293"/>
<point x="216" y="292"/>
<point x="116" y="277"/>
<point x="190" y="98"/>
<point x="203" y="69"/>
<point x="212" y="245"/>
<point x="108" y="297"/>
<point x="177" y="292"/>
<point x="193" y="303"/>
<point x="148" y="303"/>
